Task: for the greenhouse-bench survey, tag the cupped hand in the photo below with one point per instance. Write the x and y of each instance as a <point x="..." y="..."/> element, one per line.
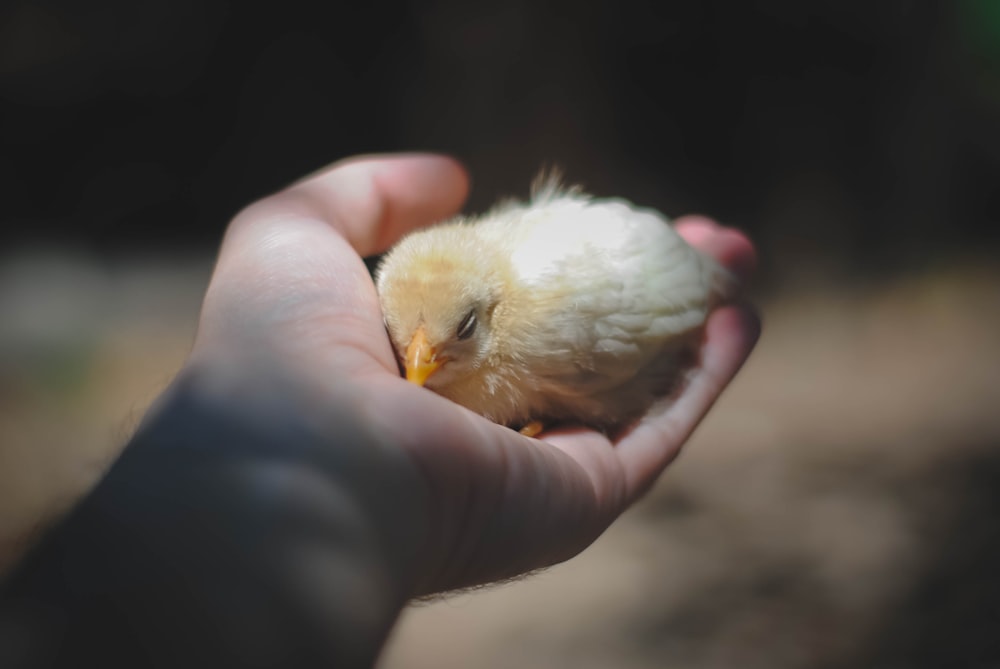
<point x="291" y="286"/>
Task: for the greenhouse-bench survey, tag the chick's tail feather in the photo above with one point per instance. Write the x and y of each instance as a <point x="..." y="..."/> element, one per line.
<point x="549" y="185"/>
<point x="726" y="286"/>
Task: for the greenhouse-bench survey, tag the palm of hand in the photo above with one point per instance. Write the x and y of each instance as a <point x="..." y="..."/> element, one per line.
<point x="290" y="281"/>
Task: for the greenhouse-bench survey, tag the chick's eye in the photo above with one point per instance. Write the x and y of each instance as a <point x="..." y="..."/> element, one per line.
<point x="467" y="326"/>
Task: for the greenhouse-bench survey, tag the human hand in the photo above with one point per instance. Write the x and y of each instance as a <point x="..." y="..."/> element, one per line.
<point x="291" y="297"/>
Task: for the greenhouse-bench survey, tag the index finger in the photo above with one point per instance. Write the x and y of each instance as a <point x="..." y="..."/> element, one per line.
<point x="372" y="200"/>
<point x="298" y="250"/>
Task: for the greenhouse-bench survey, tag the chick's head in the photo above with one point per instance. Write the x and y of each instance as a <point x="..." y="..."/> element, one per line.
<point x="439" y="296"/>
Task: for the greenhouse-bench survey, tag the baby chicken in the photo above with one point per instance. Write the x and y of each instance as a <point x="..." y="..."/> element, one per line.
<point x="564" y="309"/>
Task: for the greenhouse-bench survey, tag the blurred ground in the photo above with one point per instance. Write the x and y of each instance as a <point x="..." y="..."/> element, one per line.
<point x="838" y="509"/>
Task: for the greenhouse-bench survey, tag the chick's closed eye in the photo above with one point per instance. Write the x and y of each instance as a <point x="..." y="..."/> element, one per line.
<point x="565" y="308"/>
<point x="468" y="325"/>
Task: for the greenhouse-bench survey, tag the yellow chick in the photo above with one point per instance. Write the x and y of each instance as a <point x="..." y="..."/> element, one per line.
<point x="564" y="309"/>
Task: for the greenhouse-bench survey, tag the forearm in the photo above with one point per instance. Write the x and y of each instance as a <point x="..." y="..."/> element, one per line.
<point x="217" y="539"/>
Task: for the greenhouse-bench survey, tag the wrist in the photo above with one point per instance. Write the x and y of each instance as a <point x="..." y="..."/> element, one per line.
<point x="243" y="518"/>
<point x="307" y="468"/>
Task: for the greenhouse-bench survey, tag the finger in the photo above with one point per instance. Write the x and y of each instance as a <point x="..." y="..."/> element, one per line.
<point x="300" y="247"/>
<point x="493" y="490"/>
<point x="728" y="246"/>
<point x="730" y="334"/>
<point x="651" y="447"/>
<point x="374" y="200"/>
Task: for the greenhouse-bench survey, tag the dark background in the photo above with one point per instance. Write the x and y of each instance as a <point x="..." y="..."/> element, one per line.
<point x="838" y="508"/>
<point x="863" y="135"/>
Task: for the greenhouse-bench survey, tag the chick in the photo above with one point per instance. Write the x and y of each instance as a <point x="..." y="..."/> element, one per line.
<point x="564" y="309"/>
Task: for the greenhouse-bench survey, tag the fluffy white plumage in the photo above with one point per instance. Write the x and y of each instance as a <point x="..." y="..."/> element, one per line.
<point x="563" y="309"/>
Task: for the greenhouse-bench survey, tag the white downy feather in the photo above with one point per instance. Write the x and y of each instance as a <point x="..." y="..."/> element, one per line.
<point x="599" y="305"/>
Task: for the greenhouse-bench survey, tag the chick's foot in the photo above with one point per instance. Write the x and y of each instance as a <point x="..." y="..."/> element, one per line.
<point x="532" y="429"/>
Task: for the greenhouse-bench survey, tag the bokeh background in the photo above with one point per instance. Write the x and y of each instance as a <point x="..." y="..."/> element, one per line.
<point x="840" y="508"/>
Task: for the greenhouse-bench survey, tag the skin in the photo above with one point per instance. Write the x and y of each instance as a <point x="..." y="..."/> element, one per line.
<point x="416" y="494"/>
<point x="555" y="496"/>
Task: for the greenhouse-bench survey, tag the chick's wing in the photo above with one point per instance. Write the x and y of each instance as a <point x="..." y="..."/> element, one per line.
<point x="610" y="287"/>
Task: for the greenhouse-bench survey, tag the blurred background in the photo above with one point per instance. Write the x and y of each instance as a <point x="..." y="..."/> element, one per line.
<point x="839" y="508"/>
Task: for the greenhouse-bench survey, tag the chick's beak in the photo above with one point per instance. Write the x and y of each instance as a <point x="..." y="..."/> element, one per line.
<point x="421" y="358"/>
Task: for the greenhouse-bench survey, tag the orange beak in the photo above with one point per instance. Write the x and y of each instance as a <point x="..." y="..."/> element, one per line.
<point x="421" y="358"/>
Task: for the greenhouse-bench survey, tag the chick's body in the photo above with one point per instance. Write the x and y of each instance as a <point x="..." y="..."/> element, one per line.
<point x="581" y="310"/>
